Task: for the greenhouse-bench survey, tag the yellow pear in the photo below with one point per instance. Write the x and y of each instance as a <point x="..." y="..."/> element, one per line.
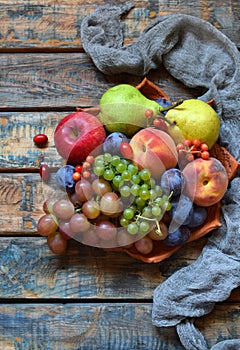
<point x="194" y="119"/>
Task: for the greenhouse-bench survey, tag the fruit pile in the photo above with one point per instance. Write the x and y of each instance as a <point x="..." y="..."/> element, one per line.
<point x="134" y="175"/>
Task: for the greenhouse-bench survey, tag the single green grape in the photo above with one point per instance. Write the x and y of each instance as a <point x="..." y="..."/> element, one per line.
<point x="140" y="203"/>
<point x="158" y="190"/>
<point x="144" y="226"/>
<point x="98" y="170"/>
<point x="151" y="182"/>
<point x="117" y="181"/>
<point x="133" y="228"/>
<point x="125" y="191"/>
<point x="115" y="160"/>
<point x="128" y="213"/>
<point x="136" y="179"/>
<point x="133" y="169"/>
<point x="145" y="174"/>
<point x="123" y="221"/>
<point x="144" y="187"/>
<point x="135" y="190"/>
<point x="153" y="194"/>
<point x="99" y="161"/>
<point x="159" y="201"/>
<point x="147" y="212"/>
<point x="107" y="157"/>
<point x="108" y="174"/>
<point x="156" y="210"/>
<point x="144" y="194"/>
<point x="121" y="167"/>
<point x="126" y="175"/>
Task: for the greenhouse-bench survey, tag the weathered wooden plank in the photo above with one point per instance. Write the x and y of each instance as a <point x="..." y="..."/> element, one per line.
<point x="18" y="150"/>
<point x="57" y="24"/>
<point x="107" y="327"/>
<point x="30" y="270"/>
<point x="22" y="196"/>
<point x="65" y="80"/>
<point x="47" y="80"/>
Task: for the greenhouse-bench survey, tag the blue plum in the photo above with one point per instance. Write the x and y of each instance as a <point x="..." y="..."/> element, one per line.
<point x="181" y="211"/>
<point x="198" y="217"/>
<point x="113" y="141"/>
<point x="64" y="178"/>
<point x="178" y="237"/>
<point x="172" y="180"/>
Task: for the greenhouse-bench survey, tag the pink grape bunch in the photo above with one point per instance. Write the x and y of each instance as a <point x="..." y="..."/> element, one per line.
<point x="117" y="205"/>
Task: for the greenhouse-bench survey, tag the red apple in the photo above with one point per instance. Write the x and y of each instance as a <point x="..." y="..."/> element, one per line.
<point x="206" y="181"/>
<point x="155" y="150"/>
<point x="77" y="135"/>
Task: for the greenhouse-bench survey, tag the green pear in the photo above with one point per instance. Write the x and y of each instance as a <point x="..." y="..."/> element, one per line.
<point x="194" y="119"/>
<point x="123" y="107"/>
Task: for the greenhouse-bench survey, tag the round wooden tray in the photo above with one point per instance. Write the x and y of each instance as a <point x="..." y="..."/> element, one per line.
<point x="160" y="250"/>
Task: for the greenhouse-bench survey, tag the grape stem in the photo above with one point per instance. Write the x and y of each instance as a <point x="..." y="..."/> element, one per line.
<point x="158" y="231"/>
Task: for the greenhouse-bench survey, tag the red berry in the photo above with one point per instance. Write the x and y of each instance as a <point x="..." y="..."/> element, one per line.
<point x="40" y="139"/>
<point x="188" y="143"/>
<point x="76" y="176"/>
<point x="90" y="159"/>
<point x="160" y="124"/>
<point x="196" y="143"/>
<point x="204" y="147"/>
<point x="205" y="155"/>
<point x="193" y="148"/>
<point x="189" y="157"/>
<point x="126" y="150"/>
<point x="86" y="174"/>
<point x="149" y="113"/>
<point x="44" y="171"/>
<point x="180" y="146"/>
<point x="86" y="165"/>
<point x="78" y="168"/>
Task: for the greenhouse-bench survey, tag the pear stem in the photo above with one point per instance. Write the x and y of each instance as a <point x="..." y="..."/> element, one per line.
<point x="161" y="116"/>
<point x="177" y="103"/>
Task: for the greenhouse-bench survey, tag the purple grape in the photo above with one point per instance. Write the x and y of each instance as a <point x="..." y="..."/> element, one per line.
<point x="113" y="141"/>
<point x="178" y="237"/>
<point x="163" y="102"/>
<point x="198" y="217"/>
<point x="172" y="180"/>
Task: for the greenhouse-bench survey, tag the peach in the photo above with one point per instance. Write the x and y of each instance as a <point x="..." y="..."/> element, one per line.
<point x="206" y="181"/>
<point x="155" y="150"/>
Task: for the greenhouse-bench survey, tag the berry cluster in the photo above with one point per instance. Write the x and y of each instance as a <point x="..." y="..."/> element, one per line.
<point x="83" y="170"/>
<point x="190" y="150"/>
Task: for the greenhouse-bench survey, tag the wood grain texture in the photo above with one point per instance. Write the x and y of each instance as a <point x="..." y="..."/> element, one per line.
<point x="87" y="298"/>
<point x="66" y="80"/>
<point x="124" y="326"/>
<point x="34" y="24"/>
<point x="30" y="270"/>
<point x="18" y="150"/>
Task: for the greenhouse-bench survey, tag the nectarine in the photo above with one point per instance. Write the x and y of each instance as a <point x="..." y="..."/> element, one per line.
<point x="155" y="150"/>
<point x="206" y="181"/>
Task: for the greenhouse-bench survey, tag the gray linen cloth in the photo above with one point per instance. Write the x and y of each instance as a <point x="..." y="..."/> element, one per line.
<point x="199" y="55"/>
